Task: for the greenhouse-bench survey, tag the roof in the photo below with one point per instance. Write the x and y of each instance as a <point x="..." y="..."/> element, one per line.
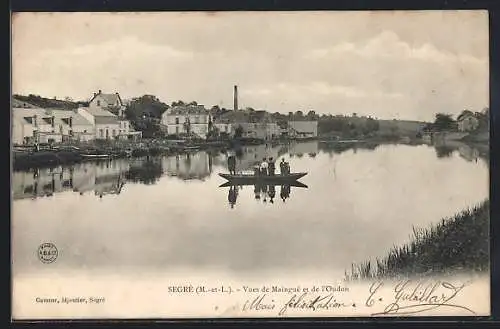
<point x="466" y="115"/>
<point x="60" y="116"/>
<point x="187" y="109"/>
<point x="109" y="98"/>
<point x="106" y="120"/>
<point x="98" y="112"/>
<point x="247" y="116"/>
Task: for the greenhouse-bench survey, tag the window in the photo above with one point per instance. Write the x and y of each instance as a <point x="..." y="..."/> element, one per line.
<point x="113" y="133"/>
<point x="98" y="103"/>
<point x="101" y="133"/>
<point x="176" y="130"/>
<point x="176" y="121"/>
<point x="196" y="119"/>
<point x="85" y="131"/>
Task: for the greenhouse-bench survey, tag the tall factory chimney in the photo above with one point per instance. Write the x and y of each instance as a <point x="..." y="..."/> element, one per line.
<point x="235" y="98"/>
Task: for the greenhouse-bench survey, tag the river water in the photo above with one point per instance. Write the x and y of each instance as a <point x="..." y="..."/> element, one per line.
<point x="165" y="214"/>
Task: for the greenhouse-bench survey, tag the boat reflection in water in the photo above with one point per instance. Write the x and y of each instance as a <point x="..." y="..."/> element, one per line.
<point x="262" y="192"/>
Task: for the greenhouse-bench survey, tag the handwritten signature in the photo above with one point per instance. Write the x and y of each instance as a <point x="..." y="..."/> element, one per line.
<point x="411" y="297"/>
<point x="305" y="301"/>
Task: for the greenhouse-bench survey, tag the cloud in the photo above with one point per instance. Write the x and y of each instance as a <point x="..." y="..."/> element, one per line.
<point x="319" y="88"/>
<point x="388" y="45"/>
<point x="128" y="47"/>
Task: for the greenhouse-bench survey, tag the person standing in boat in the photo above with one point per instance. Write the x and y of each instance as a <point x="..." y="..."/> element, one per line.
<point x="263" y="167"/>
<point x="271" y="167"/>
<point x="287" y="168"/>
<point x="231" y="164"/>
<point x="282" y="166"/>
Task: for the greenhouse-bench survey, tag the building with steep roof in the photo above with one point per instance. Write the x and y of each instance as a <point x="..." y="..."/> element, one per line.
<point x="467" y="121"/>
<point x="107" y="112"/>
<point x="109" y="102"/>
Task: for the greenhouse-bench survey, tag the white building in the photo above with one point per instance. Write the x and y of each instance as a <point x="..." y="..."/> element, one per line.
<point x="302" y="129"/>
<point x="186" y="120"/>
<point x="108" y="111"/>
<point x="467" y="122"/>
<point x="37" y="125"/>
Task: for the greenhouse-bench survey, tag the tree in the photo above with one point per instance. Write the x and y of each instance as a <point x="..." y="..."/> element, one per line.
<point x="299" y="115"/>
<point x="311" y="115"/>
<point x="371" y="126"/>
<point x="444" y="122"/>
<point x="483" y="118"/>
<point x="145" y="106"/>
<point x="178" y="103"/>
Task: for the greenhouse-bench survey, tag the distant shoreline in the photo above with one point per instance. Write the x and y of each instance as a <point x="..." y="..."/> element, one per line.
<point x="66" y="154"/>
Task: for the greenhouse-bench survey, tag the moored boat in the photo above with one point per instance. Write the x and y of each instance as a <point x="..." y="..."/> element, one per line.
<point x="96" y="156"/>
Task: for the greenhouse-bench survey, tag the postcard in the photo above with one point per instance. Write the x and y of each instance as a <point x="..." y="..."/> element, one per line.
<point x="250" y="164"/>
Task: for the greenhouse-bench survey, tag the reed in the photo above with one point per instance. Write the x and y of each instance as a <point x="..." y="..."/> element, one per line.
<point x="458" y="243"/>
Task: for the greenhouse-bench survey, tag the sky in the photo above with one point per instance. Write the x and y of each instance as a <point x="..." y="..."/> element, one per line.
<point x="388" y="64"/>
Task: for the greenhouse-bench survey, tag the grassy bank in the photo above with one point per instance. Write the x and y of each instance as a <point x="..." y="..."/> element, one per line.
<point x="459" y="243"/>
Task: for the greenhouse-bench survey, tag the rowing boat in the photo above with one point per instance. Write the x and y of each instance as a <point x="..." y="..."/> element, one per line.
<point x="250" y="178"/>
<point x="290" y="183"/>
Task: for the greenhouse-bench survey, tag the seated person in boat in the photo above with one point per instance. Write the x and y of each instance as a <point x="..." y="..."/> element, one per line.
<point x="263" y="167"/>
<point x="271" y="167"/>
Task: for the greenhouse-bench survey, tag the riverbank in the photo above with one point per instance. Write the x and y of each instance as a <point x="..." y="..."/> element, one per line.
<point x="456" y="244"/>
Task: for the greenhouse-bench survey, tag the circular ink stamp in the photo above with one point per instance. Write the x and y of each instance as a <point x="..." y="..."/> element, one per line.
<point x="47" y="253"/>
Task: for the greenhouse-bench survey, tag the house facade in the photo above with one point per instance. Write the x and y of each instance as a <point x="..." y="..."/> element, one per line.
<point x="302" y="129"/>
<point x="37" y="125"/>
<point x="186" y="119"/>
<point x="223" y="126"/>
<point x="106" y="124"/>
<point x="467" y="122"/>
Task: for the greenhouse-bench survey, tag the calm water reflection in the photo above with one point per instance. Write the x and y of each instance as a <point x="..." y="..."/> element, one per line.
<point x="159" y="214"/>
